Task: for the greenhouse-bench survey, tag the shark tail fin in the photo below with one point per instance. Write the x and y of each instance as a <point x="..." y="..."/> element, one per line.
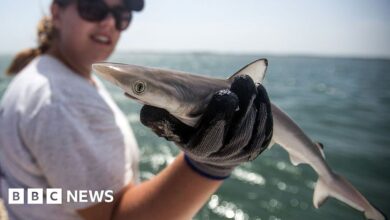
<point x="375" y="214"/>
<point x="338" y="187"/>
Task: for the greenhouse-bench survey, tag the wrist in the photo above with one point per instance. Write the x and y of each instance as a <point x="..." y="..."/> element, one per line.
<point x="208" y="171"/>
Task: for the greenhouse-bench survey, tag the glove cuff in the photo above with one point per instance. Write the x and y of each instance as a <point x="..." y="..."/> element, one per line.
<point x="208" y="171"/>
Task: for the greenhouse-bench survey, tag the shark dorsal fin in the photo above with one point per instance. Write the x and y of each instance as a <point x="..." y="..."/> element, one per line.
<point x="256" y="70"/>
<point x="320" y="147"/>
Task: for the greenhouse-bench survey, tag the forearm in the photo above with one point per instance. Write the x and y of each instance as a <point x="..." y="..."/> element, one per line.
<point x="177" y="192"/>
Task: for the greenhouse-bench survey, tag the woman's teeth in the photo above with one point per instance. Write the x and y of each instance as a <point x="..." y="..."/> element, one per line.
<point x="101" y="39"/>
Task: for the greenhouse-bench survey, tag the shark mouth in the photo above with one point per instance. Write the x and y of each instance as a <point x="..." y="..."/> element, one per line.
<point x="130" y="96"/>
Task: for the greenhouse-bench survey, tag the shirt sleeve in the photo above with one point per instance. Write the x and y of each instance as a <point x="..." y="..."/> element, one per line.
<point x="78" y="147"/>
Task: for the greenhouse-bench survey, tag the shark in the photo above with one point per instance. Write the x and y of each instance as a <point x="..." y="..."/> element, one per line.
<point x="186" y="95"/>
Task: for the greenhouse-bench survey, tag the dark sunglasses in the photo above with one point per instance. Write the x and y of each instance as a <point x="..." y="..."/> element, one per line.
<point x="98" y="10"/>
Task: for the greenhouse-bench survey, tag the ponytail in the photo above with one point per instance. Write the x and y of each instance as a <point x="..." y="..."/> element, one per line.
<point x="46" y="34"/>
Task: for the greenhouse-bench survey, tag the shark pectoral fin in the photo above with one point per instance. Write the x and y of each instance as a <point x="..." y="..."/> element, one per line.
<point x="295" y="160"/>
<point x="188" y="120"/>
<point x="320" y="147"/>
<point x="320" y="194"/>
<point x="271" y="143"/>
<point x="256" y="70"/>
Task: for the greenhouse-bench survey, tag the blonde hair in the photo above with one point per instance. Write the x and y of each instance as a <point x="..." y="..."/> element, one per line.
<point x="46" y="33"/>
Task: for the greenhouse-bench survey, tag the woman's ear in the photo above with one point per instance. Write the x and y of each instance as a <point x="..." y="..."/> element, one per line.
<point x="55" y="15"/>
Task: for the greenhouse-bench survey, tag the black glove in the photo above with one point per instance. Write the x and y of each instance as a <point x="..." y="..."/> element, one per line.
<point x="235" y="127"/>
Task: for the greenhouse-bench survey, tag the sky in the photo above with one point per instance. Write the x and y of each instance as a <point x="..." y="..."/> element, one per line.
<point x="357" y="28"/>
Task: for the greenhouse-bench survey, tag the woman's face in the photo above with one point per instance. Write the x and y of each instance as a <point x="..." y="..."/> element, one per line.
<point x="82" y="42"/>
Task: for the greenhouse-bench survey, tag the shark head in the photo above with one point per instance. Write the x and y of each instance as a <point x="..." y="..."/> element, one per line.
<point x="182" y="94"/>
<point x="139" y="83"/>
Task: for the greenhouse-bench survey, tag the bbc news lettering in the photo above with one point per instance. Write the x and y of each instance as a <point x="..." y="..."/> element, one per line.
<point x="55" y="196"/>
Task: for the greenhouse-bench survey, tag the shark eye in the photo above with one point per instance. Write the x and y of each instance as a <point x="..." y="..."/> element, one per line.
<point x="139" y="87"/>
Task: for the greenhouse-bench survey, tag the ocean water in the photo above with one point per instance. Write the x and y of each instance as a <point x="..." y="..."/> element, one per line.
<point x="343" y="103"/>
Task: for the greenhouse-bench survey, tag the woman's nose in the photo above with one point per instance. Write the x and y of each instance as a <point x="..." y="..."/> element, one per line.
<point x="109" y="20"/>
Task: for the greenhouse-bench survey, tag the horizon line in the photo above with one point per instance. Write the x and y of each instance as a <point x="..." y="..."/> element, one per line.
<point x="242" y="53"/>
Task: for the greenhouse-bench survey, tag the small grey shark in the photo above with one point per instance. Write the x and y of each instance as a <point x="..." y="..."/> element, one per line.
<point x="186" y="96"/>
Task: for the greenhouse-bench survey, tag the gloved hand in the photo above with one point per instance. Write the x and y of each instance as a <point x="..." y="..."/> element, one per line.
<point x="235" y="128"/>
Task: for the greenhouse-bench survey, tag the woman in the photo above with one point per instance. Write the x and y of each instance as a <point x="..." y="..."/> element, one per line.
<point x="61" y="129"/>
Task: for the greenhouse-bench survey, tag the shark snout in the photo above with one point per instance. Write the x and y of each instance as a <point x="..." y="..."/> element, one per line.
<point x="114" y="73"/>
<point x="105" y="71"/>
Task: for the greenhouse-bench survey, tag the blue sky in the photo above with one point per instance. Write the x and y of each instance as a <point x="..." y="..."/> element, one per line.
<point x="320" y="27"/>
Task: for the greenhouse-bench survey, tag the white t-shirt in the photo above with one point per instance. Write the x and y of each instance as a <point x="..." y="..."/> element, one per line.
<point x="59" y="131"/>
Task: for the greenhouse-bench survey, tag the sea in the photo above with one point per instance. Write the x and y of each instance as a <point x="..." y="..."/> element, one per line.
<point x="343" y="103"/>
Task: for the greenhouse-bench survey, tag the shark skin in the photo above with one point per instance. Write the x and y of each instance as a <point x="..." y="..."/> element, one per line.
<point x="186" y="96"/>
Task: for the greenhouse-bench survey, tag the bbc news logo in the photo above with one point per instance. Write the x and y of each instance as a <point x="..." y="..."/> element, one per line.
<point x="55" y="196"/>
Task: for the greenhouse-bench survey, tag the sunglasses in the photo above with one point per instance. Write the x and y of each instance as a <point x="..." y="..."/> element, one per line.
<point x="98" y="10"/>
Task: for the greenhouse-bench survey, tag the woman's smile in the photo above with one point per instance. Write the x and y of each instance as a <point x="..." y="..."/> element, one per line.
<point x="102" y="39"/>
